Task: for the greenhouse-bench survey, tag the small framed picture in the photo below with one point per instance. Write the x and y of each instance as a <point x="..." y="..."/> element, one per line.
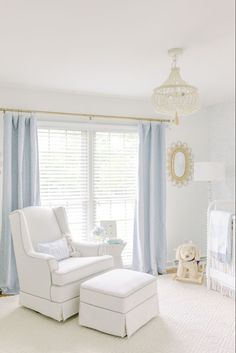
<point x="110" y="228"/>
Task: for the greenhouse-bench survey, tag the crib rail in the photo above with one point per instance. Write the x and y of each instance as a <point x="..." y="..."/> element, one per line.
<point x="220" y="276"/>
<point x="224" y="205"/>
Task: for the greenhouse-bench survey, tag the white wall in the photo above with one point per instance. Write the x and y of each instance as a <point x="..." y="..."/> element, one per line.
<point x="222" y="147"/>
<point x="72" y="102"/>
<point x="186" y="207"/>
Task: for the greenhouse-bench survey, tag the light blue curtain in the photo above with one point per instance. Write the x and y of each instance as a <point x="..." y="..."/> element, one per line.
<point x="149" y="246"/>
<point x="20" y="186"/>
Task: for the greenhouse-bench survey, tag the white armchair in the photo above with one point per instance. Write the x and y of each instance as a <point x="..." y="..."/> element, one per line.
<point x="49" y="286"/>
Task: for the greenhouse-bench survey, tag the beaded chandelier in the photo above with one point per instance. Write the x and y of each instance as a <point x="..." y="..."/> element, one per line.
<point x="175" y="97"/>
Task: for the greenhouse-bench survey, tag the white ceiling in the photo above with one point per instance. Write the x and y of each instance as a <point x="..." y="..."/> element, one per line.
<point x="117" y="47"/>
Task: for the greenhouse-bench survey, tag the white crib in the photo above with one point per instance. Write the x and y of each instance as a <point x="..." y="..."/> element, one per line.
<point x="220" y="276"/>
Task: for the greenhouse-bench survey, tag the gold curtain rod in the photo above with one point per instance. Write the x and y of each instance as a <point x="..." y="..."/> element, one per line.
<point x="90" y="116"/>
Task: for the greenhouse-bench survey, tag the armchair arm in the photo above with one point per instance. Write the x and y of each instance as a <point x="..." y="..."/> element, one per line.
<point x="88" y="248"/>
<point x="35" y="272"/>
<point x="49" y="259"/>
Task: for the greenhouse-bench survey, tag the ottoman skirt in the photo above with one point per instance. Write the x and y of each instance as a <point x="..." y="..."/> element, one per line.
<point x="118" y="302"/>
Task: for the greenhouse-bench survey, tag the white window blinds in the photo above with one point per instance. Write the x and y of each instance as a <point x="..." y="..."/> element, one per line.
<point x="93" y="174"/>
<point x="64" y="174"/>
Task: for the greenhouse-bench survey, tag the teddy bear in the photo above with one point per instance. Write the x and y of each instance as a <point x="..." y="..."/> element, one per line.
<point x="188" y="267"/>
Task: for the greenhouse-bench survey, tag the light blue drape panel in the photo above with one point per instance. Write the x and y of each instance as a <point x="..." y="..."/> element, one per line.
<point x="20" y="186"/>
<point x="149" y="247"/>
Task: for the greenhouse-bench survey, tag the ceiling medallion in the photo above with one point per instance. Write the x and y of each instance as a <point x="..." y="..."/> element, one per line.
<point x="175" y="97"/>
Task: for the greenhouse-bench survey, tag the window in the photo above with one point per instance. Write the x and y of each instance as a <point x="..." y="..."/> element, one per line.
<point x="93" y="174"/>
<point x="63" y="158"/>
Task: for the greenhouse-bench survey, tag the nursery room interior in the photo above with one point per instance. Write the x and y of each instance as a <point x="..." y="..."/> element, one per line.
<point x="117" y="176"/>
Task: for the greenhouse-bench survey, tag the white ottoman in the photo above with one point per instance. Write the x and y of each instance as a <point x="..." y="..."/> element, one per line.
<point x="118" y="302"/>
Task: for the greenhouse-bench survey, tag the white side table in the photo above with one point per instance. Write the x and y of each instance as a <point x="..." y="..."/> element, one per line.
<point x="114" y="250"/>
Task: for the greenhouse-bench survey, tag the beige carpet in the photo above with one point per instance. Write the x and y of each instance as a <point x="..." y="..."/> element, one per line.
<point x="192" y="320"/>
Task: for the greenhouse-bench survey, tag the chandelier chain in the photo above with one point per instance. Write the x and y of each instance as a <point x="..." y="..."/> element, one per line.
<point x="174" y="61"/>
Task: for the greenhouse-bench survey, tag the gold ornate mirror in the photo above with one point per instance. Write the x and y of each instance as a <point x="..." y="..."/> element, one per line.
<point x="180" y="164"/>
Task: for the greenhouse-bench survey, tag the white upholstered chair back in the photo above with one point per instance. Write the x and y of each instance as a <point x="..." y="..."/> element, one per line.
<point x="43" y="224"/>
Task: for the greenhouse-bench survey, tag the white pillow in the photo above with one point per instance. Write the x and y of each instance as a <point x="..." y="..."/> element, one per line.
<point x="58" y="248"/>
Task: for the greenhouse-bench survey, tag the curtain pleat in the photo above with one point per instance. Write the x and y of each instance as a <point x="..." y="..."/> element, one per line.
<point x="149" y="249"/>
<point x="20" y="186"/>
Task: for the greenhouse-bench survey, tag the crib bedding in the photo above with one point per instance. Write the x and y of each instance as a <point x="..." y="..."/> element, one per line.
<point x="221" y="275"/>
<point x="220" y="233"/>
